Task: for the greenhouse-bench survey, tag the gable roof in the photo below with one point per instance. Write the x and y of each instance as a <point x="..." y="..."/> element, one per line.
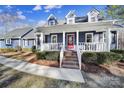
<point x="17" y="33"/>
<point x="30" y="35"/>
<point x="51" y="16"/>
<point x="71" y="14"/>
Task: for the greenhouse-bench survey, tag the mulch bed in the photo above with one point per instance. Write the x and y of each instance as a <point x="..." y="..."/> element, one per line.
<point x="47" y="63"/>
<point x="93" y="68"/>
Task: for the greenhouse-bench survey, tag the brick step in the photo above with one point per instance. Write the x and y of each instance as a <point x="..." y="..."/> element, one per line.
<point x="70" y="62"/>
<point x="70" y="66"/>
<point x="70" y="55"/>
<point x="70" y="59"/>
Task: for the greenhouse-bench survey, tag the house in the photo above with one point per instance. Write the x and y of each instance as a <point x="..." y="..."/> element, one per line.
<point x="76" y="35"/>
<point x="88" y="33"/>
<point x="18" y="37"/>
<point x="71" y="36"/>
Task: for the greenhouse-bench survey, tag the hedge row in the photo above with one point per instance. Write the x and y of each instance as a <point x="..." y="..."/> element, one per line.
<point x="48" y="55"/>
<point x="100" y="57"/>
<point x="119" y="52"/>
<point x="4" y="50"/>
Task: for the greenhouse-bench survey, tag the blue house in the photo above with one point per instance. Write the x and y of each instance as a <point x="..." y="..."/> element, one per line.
<point x="18" y="37"/>
<point x="74" y="35"/>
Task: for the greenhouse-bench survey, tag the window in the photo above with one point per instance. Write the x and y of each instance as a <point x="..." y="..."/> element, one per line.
<point x="89" y="37"/>
<point x="38" y="40"/>
<point x="51" y="22"/>
<point x="70" y="21"/>
<point x="8" y="41"/>
<point x="101" y="37"/>
<point x="113" y="38"/>
<point x="54" y="39"/>
<point x="93" y="19"/>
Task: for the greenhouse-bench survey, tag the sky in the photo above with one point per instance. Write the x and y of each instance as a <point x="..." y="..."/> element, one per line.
<point x="38" y="14"/>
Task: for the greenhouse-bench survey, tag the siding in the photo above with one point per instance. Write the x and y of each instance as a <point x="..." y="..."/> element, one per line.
<point x="30" y="43"/>
<point x="2" y="44"/>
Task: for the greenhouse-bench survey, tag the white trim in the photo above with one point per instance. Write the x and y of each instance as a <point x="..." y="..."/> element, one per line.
<point x="52" y="38"/>
<point x="10" y="41"/>
<point x="86" y="36"/>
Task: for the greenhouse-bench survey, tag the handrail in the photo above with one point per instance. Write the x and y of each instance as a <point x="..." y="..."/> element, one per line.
<point x="79" y="57"/>
<point x="61" y="56"/>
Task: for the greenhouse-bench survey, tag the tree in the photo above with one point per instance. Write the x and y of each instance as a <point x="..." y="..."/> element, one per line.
<point x="115" y="11"/>
<point x="9" y="18"/>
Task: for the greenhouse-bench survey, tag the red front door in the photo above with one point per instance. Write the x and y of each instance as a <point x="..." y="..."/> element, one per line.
<point x="70" y="41"/>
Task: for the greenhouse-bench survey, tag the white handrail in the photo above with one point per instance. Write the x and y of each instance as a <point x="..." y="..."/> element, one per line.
<point x="61" y="56"/>
<point x="79" y="57"/>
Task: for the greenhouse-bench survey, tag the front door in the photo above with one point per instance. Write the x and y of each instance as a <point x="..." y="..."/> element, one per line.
<point x="70" y="41"/>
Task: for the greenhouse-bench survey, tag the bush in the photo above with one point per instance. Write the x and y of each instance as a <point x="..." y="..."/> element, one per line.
<point x="119" y="52"/>
<point x="100" y="57"/>
<point x="51" y="55"/>
<point x="108" y="57"/>
<point x="4" y="50"/>
<point x="26" y="49"/>
<point x="33" y="49"/>
<point x="89" y="57"/>
<point x="18" y="48"/>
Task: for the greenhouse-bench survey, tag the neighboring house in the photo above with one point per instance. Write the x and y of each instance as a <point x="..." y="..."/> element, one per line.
<point x="88" y="33"/>
<point x="18" y="37"/>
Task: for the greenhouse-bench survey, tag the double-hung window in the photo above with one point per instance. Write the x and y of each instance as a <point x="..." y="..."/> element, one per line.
<point x="89" y="37"/>
<point x="54" y="39"/>
<point x="8" y="41"/>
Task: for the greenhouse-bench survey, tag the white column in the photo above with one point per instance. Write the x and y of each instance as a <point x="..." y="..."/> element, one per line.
<point x="77" y="37"/>
<point x="63" y="39"/>
<point x="41" y="41"/>
<point x="36" y="41"/>
<point x="108" y="39"/>
<point x="19" y="41"/>
<point x="117" y="39"/>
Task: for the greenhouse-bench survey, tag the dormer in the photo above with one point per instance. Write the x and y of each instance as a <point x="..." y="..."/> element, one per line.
<point x="51" y="20"/>
<point x="93" y="15"/>
<point x="70" y="17"/>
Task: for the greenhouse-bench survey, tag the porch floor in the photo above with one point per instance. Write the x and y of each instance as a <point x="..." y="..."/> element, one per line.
<point x="51" y="72"/>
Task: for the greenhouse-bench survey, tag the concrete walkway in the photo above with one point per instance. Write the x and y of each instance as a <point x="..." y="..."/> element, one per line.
<point x="51" y="72"/>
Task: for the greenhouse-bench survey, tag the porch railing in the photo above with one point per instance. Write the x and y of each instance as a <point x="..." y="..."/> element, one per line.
<point x="92" y="47"/>
<point x="52" y="46"/>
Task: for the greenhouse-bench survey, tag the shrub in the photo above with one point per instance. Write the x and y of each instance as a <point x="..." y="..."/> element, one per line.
<point x="100" y="57"/>
<point x="4" y="50"/>
<point x="18" y="48"/>
<point x="33" y="49"/>
<point x="119" y="52"/>
<point x="89" y="57"/>
<point x="107" y="57"/>
<point x="51" y="55"/>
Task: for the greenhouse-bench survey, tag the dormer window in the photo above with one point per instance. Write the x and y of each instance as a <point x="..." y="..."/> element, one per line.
<point x="93" y="19"/>
<point x="70" y="17"/>
<point x="93" y="16"/>
<point x="52" y="20"/>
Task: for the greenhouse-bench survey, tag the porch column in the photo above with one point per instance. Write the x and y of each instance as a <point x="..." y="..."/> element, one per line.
<point x="36" y="41"/>
<point x="77" y="37"/>
<point x="117" y="39"/>
<point x="41" y="42"/>
<point x="63" y="39"/>
<point x="108" y="39"/>
<point x="19" y="41"/>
